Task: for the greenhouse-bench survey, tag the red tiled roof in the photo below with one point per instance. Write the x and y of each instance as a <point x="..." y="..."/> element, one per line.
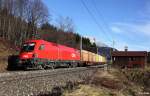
<point x="129" y="53"/>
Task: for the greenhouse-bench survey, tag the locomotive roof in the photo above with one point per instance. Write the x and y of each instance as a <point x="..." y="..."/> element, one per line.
<point x="54" y="44"/>
<point x="39" y="40"/>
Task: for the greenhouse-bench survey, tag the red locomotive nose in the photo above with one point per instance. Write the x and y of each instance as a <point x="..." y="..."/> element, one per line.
<point x="26" y="55"/>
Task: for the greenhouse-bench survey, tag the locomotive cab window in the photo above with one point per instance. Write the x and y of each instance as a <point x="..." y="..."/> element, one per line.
<point x="42" y="47"/>
<point x="28" y="47"/>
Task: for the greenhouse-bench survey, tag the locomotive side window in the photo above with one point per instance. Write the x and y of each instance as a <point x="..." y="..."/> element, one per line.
<point x="42" y="47"/>
<point x="28" y="47"/>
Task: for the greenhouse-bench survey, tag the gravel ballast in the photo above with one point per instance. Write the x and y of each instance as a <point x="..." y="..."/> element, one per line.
<point x="29" y="83"/>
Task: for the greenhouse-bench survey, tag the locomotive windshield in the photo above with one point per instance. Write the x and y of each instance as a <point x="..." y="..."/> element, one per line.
<point x="28" y="47"/>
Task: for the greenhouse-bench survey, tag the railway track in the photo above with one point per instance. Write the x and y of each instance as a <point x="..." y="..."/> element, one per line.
<point x="8" y="77"/>
<point x="11" y="76"/>
<point x="27" y="83"/>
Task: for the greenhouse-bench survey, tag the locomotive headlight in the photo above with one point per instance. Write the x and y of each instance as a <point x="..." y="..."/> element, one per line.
<point x="20" y="61"/>
<point x="25" y="56"/>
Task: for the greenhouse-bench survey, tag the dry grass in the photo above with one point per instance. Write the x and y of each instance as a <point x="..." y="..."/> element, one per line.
<point x="107" y="83"/>
<point x="139" y="76"/>
<point x="85" y="90"/>
<point x="3" y="66"/>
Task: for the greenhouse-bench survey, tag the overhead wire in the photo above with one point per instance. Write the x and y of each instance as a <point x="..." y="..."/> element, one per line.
<point x="102" y="17"/>
<point x="95" y="20"/>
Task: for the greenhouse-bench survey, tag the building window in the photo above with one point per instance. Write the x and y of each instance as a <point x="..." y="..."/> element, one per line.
<point x="132" y="59"/>
<point x="114" y="58"/>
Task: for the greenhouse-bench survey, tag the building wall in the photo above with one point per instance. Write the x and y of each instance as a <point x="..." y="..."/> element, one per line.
<point x="148" y="59"/>
<point x="124" y="61"/>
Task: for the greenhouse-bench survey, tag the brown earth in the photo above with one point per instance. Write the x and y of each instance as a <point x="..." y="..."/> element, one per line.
<point x="3" y="66"/>
<point x="108" y="83"/>
<point x="6" y="49"/>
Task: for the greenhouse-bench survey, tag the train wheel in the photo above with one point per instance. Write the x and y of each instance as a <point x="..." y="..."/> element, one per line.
<point x="69" y="65"/>
<point x="74" y="65"/>
<point x="25" y="69"/>
<point x="40" y="67"/>
<point x="53" y="66"/>
<point x="45" y="66"/>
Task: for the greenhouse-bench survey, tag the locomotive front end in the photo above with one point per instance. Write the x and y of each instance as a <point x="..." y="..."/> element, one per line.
<point x="27" y="55"/>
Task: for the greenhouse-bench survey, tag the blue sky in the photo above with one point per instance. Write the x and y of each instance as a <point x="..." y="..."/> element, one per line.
<point x="127" y="22"/>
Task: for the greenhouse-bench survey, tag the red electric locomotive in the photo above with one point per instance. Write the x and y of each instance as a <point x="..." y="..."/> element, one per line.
<point x="42" y="54"/>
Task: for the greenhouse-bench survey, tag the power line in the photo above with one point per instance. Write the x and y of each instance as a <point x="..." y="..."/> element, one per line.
<point x="94" y="19"/>
<point x="102" y="17"/>
<point x="104" y="21"/>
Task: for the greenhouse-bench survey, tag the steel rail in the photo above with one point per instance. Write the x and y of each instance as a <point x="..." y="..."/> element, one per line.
<point x="50" y="74"/>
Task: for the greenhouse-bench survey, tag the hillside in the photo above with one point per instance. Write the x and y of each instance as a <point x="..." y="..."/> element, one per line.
<point x="6" y="49"/>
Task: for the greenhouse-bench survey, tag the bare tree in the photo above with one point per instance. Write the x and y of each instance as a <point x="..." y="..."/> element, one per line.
<point x="19" y="19"/>
<point x="65" y="24"/>
<point x="37" y="13"/>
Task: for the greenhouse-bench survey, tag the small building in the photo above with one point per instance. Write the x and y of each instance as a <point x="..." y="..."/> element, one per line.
<point x="129" y="58"/>
<point x="148" y="59"/>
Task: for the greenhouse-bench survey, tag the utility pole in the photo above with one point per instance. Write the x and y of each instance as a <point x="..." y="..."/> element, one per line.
<point x="81" y="48"/>
<point x="111" y="50"/>
<point x="81" y="43"/>
<point x="113" y="45"/>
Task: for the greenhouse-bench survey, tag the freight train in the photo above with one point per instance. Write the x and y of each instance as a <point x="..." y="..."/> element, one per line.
<point x="40" y="54"/>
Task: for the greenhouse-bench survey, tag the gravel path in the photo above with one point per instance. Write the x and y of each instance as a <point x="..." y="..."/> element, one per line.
<point x="28" y="83"/>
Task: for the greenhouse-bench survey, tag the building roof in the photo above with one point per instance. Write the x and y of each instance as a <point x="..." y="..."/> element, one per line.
<point x="129" y="53"/>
